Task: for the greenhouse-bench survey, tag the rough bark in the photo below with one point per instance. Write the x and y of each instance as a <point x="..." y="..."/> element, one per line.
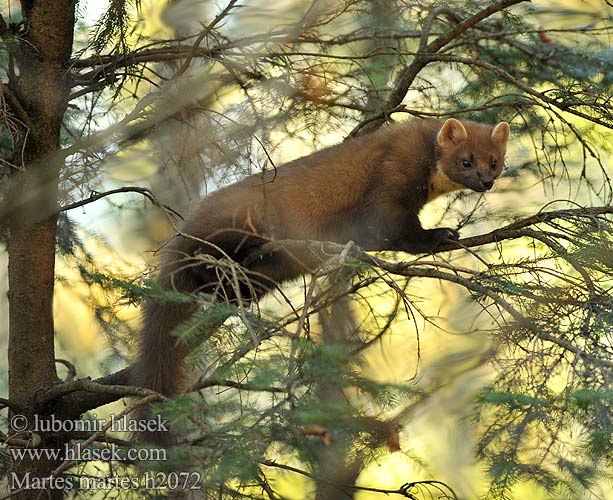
<point x="42" y="57"/>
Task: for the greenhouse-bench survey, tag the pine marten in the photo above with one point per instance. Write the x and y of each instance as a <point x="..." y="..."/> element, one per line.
<point x="368" y="189"/>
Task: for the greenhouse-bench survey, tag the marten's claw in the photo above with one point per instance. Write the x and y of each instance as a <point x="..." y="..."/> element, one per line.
<point x="443" y="234"/>
<point x="452" y="234"/>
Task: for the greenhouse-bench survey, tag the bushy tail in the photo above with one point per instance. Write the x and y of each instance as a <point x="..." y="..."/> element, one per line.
<point x="161" y="358"/>
<point x="161" y="355"/>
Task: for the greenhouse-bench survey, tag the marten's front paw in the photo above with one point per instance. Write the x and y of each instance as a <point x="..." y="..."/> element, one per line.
<point x="441" y="234"/>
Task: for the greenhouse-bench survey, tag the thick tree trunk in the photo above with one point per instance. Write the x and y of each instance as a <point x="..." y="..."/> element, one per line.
<point x="42" y="86"/>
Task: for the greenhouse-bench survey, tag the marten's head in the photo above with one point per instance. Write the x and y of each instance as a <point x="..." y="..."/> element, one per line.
<point x="470" y="155"/>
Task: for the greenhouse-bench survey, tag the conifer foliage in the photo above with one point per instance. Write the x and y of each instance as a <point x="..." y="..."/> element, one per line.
<point x="111" y="128"/>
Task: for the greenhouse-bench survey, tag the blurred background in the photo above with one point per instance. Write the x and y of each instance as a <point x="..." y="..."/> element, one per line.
<point x="480" y="404"/>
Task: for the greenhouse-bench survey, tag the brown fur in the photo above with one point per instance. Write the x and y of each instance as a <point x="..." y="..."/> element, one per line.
<point x="369" y="190"/>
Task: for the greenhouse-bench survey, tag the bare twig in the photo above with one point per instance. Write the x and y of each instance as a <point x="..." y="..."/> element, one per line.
<point x="4" y="403"/>
<point x="15" y="105"/>
<point x="203" y="35"/>
<point x="214" y="382"/>
<point x="95" y="196"/>
<point x="403" y="490"/>
<point x="422" y="59"/>
<point x="562" y="104"/>
<point x="72" y="370"/>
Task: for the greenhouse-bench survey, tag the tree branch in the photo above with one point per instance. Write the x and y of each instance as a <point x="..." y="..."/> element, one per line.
<point x="313" y="253"/>
<point x="73" y="404"/>
<point x="214" y="382"/>
<point x="324" y="250"/>
<point x="15" y="105"/>
<point x="404" y="490"/>
<point x="87" y="385"/>
<point x="105" y="64"/>
<point x="510" y="231"/>
<point x="563" y="105"/>
<point x="202" y="36"/>
<point x="4" y="29"/>
<point x="95" y="196"/>
<point x="422" y="59"/>
<point x="82" y="395"/>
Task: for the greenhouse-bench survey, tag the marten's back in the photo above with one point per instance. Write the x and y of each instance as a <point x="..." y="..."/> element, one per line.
<point x="304" y="198"/>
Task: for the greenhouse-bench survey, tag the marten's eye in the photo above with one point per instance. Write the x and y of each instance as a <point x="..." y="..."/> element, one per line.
<point x="494" y="164"/>
<point x="467" y="163"/>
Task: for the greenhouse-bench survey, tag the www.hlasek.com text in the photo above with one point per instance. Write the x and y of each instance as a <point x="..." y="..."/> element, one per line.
<point x="78" y="453"/>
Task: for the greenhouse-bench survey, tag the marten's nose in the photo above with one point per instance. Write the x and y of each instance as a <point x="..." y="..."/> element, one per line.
<point x="487" y="184"/>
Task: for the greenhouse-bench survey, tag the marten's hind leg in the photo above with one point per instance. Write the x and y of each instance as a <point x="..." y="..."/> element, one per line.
<point x="270" y="270"/>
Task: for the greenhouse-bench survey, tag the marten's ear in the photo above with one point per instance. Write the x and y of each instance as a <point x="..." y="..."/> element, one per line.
<point x="451" y="134"/>
<point x="500" y="134"/>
